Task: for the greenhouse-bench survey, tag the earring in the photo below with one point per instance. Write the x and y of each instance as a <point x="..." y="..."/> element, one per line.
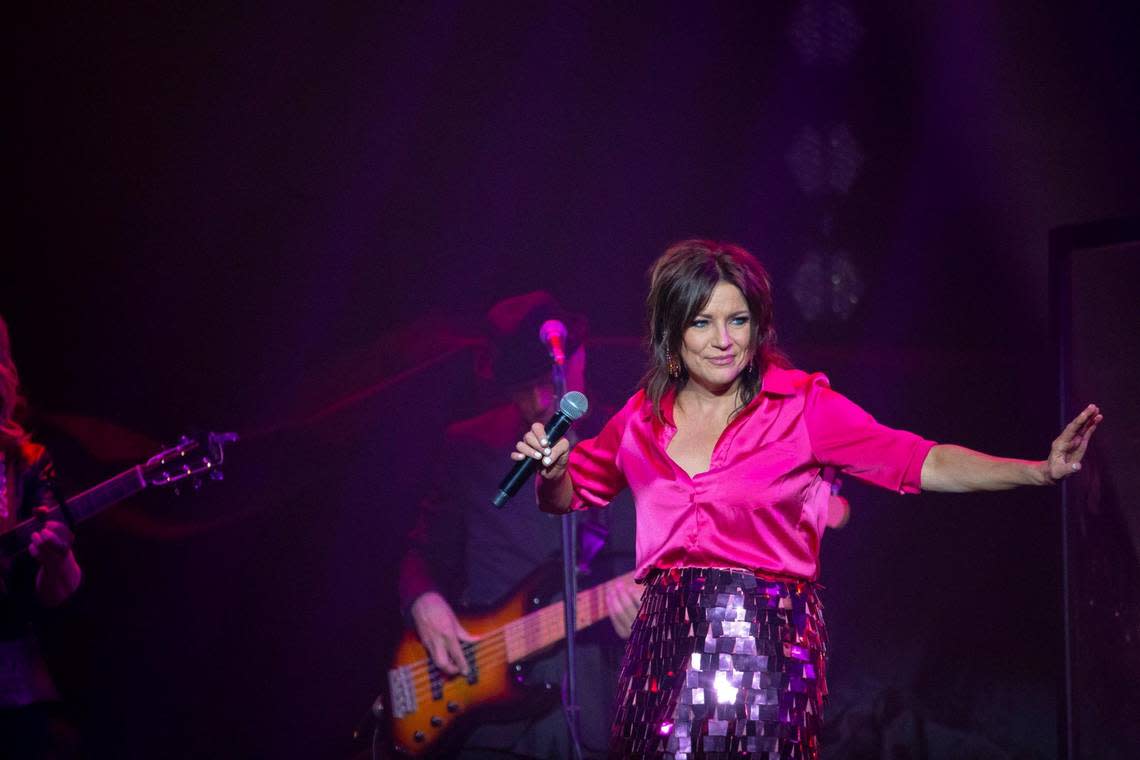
<point x="672" y="365"/>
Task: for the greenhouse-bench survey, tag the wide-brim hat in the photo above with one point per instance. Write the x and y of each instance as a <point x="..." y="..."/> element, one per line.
<point x="515" y="355"/>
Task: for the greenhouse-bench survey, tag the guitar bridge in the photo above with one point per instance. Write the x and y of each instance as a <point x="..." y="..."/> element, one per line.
<point x="403" y="692"/>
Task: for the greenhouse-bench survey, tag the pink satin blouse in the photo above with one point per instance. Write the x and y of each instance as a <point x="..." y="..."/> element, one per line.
<point x="762" y="504"/>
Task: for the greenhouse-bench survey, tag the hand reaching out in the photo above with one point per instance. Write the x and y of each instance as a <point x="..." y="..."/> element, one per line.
<point x="1069" y="448"/>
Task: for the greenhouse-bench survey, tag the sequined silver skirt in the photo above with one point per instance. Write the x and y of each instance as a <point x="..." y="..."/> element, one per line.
<point x="722" y="664"/>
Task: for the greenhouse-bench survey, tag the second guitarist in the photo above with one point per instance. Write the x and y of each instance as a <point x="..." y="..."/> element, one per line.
<point x="30" y="711"/>
<point x="463" y="551"/>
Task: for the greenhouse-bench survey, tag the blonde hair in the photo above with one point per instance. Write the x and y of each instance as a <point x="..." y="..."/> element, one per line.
<point x="12" y="434"/>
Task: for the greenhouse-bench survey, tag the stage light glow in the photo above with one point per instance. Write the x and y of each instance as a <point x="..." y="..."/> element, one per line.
<point x="825" y="31"/>
<point x="820" y="163"/>
<point x="827" y="286"/>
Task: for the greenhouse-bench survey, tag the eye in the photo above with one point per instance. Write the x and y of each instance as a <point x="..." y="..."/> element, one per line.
<point x="742" y="319"/>
<point x="699" y="322"/>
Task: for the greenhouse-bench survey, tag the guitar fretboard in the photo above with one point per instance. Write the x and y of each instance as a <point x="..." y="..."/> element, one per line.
<point x="80" y="507"/>
<point x="95" y="500"/>
<point x="547" y="626"/>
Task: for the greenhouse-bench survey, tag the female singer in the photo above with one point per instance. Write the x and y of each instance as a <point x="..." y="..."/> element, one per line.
<point x="723" y="448"/>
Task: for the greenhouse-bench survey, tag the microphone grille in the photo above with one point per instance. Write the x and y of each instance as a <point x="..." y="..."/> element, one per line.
<point x="550" y="328"/>
<point x="573" y="404"/>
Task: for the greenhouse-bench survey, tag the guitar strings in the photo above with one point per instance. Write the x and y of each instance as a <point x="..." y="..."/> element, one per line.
<point x="486" y="651"/>
<point x="519" y="632"/>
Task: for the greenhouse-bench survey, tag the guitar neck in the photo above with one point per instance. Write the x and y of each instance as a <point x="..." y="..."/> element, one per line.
<point x="547" y="626"/>
<point x="94" y="500"/>
<point x="80" y="507"/>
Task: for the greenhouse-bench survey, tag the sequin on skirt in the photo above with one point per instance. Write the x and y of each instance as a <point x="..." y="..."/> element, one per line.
<point x="722" y="664"/>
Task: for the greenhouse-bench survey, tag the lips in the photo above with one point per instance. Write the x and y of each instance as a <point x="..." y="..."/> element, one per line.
<point x="722" y="361"/>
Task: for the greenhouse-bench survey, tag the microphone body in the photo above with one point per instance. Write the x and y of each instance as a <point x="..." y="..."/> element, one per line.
<point x="553" y="336"/>
<point x="572" y="406"/>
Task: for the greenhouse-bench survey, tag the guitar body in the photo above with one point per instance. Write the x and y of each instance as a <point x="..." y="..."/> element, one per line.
<point x="430" y="714"/>
<point x="495" y="691"/>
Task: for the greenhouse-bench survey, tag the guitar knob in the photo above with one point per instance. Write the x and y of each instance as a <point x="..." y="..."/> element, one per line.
<point x="453" y="707"/>
<point x="418" y="736"/>
<point x="436" y="721"/>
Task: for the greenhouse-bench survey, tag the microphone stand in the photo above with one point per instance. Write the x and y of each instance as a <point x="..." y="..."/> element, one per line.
<point x="570" y="603"/>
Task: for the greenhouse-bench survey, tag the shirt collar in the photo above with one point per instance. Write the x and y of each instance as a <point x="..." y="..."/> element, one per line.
<point x="777" y="381"/>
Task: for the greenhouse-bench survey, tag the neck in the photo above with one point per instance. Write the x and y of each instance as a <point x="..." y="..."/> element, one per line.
<point x="696" y="395"/>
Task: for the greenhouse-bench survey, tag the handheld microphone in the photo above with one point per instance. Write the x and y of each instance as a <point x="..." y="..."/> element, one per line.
<point x="572" y="406"/>
<point x="553" y="336"/>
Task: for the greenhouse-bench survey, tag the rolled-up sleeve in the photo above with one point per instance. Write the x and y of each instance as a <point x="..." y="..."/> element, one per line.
<point x="843" y="435"/>
<point x="595" y="467"/>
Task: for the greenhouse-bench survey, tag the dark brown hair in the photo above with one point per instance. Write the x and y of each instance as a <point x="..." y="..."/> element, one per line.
<point x="680" y="285"/>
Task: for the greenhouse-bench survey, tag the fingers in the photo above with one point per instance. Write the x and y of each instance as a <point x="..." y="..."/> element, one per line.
<point x="51" y="543"/>
<point x="456" y="653"/>
<point x="1076" y="434"/>
<point x="1089" y="415"/>
<point x="625" y="595"/>
<point x="531" y="446"/>
<point x="58" y="534"/>
<point x="1071" y="445"/>
<point x="440" y="632"/>
<point x="556" y="454"/>
<point x="623" y="604"/>
<point x="440" y="651"/>
<point x="1082" y="446"/>
<point x="536" y="445"/>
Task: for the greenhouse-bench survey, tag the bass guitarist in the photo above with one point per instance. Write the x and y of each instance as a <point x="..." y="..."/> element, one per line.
<point x="462" y="550"/>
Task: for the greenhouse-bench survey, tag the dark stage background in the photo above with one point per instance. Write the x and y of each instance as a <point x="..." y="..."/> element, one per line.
<point x="286" y="220"/>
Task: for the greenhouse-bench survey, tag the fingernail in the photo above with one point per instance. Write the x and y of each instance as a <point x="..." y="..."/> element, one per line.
<point x="545" y="442"/>
<point x="1077" y="466"/>
<point x="537" y="455"/>
<point x="546" y="460"/>
<point x="546" y="451"/>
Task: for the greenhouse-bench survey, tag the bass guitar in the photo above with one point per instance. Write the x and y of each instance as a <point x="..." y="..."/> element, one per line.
<point x="429" y="713"/>
<point x="189" y="463"/>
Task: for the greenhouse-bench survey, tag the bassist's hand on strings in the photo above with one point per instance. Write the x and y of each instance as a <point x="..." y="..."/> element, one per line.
<point x="440" y="632"/>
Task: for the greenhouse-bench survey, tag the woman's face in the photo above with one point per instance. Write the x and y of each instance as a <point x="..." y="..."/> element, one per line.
<point x="717" y="344"/>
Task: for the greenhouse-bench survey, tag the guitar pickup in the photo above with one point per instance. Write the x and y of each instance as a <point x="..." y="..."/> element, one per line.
<point x="472" y="667"/>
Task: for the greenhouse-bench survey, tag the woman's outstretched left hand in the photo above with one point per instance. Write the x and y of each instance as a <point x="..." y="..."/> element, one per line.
<point x="1069" y="449"/>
